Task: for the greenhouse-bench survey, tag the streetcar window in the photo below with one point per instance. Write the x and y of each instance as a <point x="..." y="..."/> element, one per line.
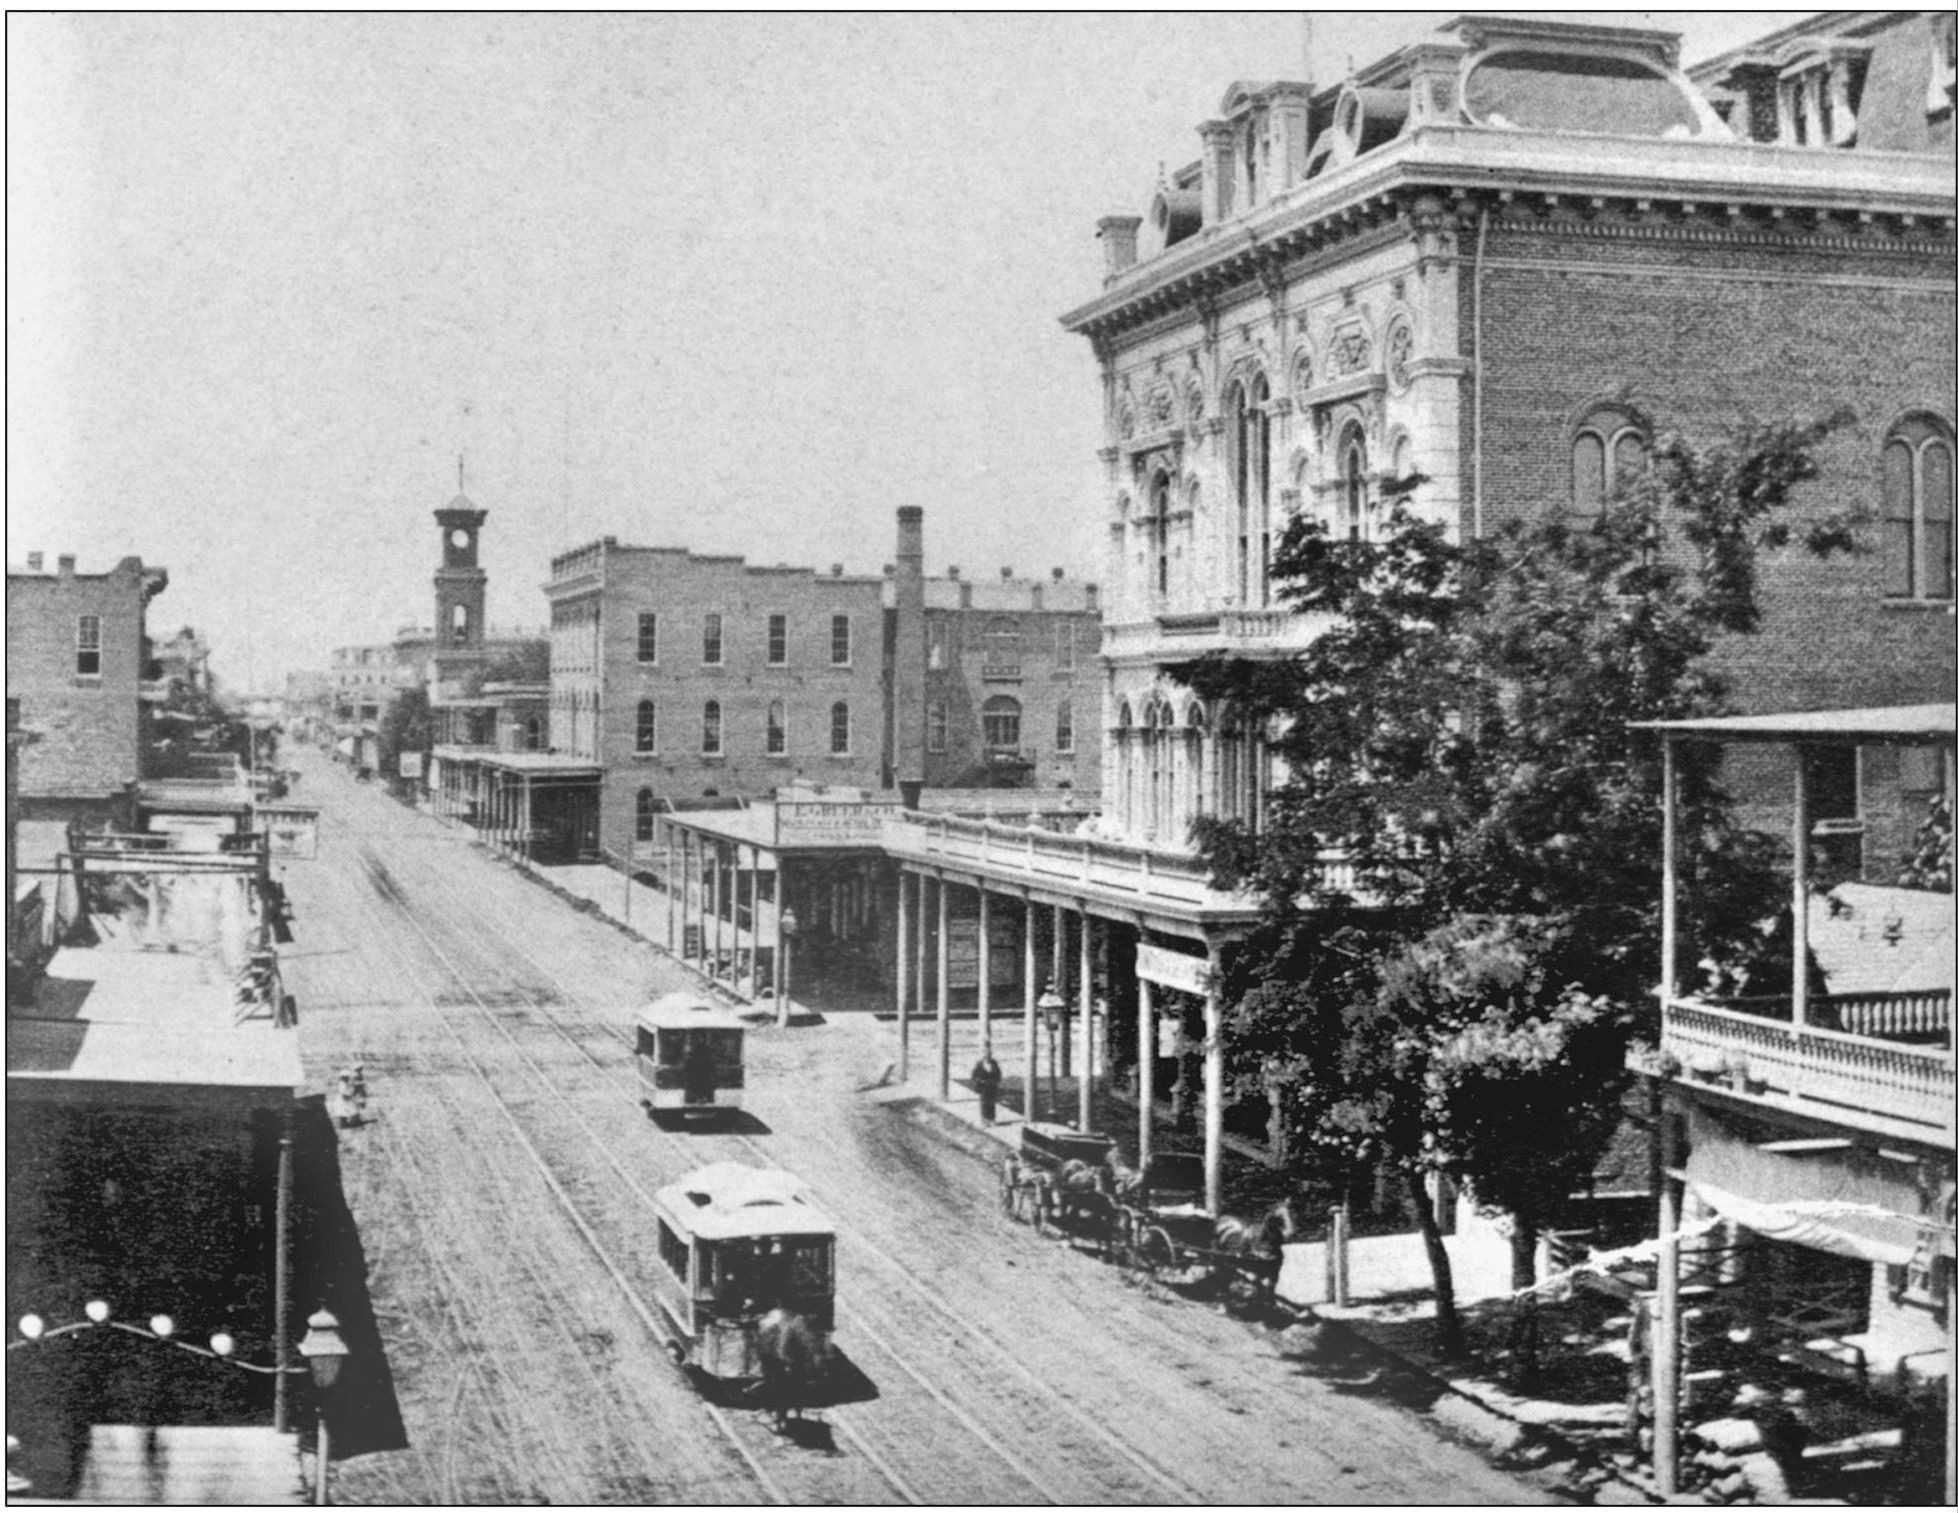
<point x="672" y="1251"/>
<point x="645" y="1041"/>
<point x="673" y="1046"/>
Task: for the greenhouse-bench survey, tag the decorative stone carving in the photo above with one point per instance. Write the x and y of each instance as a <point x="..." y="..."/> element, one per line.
<point x="1193" y="403"/>
<point x="1351" y="352"/>
<point x="1400" y="353"/>
<point x="1162" y="407"/>
<point x="1301" y="371"/>
<point x="1126" y="421"/>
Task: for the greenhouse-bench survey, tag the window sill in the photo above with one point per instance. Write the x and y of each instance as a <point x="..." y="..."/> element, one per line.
<point x="841" y="756"/>
<point x="1919" y="606"/>
<point x="645" y="756"/>
<point x="779" y="758"/>
<point x="712" y="758"/>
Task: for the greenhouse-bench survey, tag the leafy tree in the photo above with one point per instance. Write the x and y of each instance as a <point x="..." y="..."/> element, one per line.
<point x="1458" y="740"/>
<point x="408" y="724"/>
<point x="1929" y="864"/>
<point x="524" y="662"/>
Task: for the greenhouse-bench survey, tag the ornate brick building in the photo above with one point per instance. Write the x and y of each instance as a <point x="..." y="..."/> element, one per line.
<point x="1505" y="258"/>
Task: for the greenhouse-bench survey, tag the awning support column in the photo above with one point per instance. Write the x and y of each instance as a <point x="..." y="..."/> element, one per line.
<point x="1799" y="1012"/>
<point x="1030" y="969"/>
<point x="1145" y="1066"/>
<point x="903" y="964"/>
<point x="944" y="990"/>
<point x="1213" y="1084"/>
<point x="985" y="966"/>
<point x="1087" y="988"/>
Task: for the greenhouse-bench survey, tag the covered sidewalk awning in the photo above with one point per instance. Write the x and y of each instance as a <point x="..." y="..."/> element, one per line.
<point x="1907" y="724"/>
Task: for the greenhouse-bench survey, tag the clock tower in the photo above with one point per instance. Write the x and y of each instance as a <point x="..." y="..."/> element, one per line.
<point x="460" y="588"/>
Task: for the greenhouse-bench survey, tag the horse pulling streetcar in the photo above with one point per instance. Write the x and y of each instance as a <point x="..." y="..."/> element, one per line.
<point x="747" y="1280"/>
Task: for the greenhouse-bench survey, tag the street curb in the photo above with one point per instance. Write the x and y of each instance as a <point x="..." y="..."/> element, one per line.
<point x="1511" y="1443"/>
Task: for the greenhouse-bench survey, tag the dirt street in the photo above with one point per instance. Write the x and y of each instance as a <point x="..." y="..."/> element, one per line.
<point x="501" y="1200"/>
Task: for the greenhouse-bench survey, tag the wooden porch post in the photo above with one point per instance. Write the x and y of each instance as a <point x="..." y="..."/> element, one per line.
<point x="1086" y="1113"/>
<point x="1145" y="1065"/>
<point x="1799" y="1012"/>
<point x="944" y="990"/>
<point x="1066" y="1066"/>
<point x="1665" y="1335"/>
<point x="985" y="966"/>
<point x="1029" y="970"/>
<point x="282" y="1272"/>
<point x="924" y="943"/>
<point x="1213" y="1082"/>
<point x="903" y="962"/>
<point x="1669" y="888"/>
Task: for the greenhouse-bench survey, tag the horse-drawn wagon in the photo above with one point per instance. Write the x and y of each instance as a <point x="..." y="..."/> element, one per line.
<point x="1060" y="1177"/>
<point x="1163" y="1229"/>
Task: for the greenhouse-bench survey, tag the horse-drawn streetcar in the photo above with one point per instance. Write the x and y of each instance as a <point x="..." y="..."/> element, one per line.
<point x="689" y="1056"/>
<point x="746" y="1276"/>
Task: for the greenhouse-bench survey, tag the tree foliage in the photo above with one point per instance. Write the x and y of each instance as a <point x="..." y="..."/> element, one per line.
<point x="1460" y="738"/>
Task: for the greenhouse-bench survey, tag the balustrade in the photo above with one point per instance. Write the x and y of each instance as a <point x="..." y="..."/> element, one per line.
<point x="1883" y="1080"/>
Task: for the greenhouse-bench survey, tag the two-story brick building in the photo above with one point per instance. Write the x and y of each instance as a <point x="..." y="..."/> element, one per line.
<point x="77" y="654"/>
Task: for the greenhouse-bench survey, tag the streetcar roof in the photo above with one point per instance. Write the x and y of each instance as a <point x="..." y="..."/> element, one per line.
<point x="728" y="1201"/>
<point x="688" y="1011"/>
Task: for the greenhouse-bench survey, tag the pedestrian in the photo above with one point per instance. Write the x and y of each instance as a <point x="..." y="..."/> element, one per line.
<point x="986" y="1078"/>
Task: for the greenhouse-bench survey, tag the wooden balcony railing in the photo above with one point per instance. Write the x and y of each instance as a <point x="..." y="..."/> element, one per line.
<point x="1865" y="1079"/>
<point x="1142" y="872"/>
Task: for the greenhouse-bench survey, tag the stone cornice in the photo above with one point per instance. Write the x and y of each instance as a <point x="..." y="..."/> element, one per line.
<point x="1475" y="166"/>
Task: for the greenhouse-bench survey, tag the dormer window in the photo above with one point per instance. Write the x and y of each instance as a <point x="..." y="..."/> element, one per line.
<point x="1817" y="95"/>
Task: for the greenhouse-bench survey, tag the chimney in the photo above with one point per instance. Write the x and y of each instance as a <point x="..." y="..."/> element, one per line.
<point x="904" y="745"/>
<point x="836" y="569"/>
<point x="1116" y="233"/>
<point x="1059" y="573"/>
<point x="34" y="561"/>
<point x="965" y="596"/>
<point x="1094" y="599"/>
<point x="890" y="569"/>
<point x="952" y="572"/>
<point x="65" y="564"/>
<point x="1006" y="573"/>
<point x="1219" y="170"/>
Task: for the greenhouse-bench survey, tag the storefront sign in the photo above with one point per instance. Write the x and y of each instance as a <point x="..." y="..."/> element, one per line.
<point x="1172" y="969"/>
<point x="962" y="954"/>
<point x="800" y="823"/>
<point x="293" y="833"/>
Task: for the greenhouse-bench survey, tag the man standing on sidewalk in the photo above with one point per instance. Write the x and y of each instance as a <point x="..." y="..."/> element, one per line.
<point x="985" y="1080"/>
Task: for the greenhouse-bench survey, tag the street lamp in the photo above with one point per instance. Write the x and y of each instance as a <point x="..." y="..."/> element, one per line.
<point x="788" y="928"/>
<point x="325" y="1354"/>
<point x="1052" y="1006"/>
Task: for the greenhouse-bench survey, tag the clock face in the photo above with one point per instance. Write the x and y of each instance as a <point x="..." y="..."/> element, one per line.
<point x="459" y="539"/>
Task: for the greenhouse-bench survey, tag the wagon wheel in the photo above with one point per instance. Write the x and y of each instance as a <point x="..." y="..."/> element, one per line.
<point x="1155" y="1251"/>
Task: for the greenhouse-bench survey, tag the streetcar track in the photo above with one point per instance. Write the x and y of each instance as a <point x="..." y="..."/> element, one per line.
<point x="648" y="1317"/>
<point x="1139" y="1460"/>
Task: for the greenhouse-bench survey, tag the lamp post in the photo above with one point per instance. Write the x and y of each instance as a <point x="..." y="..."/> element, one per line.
<point x="325" y="1354"/>
<point x="1051" y="1007"/>
<point x="782" y="1010"/>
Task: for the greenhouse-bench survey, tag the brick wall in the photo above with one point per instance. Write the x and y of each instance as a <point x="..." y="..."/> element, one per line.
<point x="682" y="590"/>
<point x="89" y="726"/>
<point x="1720" y="334"/>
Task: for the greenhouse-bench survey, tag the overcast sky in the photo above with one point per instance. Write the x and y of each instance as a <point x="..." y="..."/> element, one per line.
<point x="737" y="283"/>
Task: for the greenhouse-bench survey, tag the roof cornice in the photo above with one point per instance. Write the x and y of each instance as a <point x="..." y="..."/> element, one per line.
<point x="1459" y="160"/>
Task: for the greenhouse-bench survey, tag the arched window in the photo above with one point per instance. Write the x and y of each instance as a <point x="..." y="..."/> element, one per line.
<point x="646" y="727"/>
<point x="1064" y="725"/>
<point x="1251" y="483"/>
<point x="1159" y="511"/>
<point x="642" y="815"/>
<point x="1353" y="499"/>
<point x="710" y="728"/>
<point x="1607" y="453"/>
<point x="1199" y="724"/>
<point x="1917" y="510"/>
<point x="839" y="729"/>
<point x="999" y="718"/>
<point x="778" y="730"/>
<point x="459" y="625"/>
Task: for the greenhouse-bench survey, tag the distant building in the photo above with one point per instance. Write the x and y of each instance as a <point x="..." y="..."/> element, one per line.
<point x="77" y="652"/>
<point x="183" y="663"/>
<point x="691" y="677"/>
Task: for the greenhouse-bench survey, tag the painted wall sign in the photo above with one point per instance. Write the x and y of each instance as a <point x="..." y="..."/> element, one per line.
<point x="1188" y="974"/>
